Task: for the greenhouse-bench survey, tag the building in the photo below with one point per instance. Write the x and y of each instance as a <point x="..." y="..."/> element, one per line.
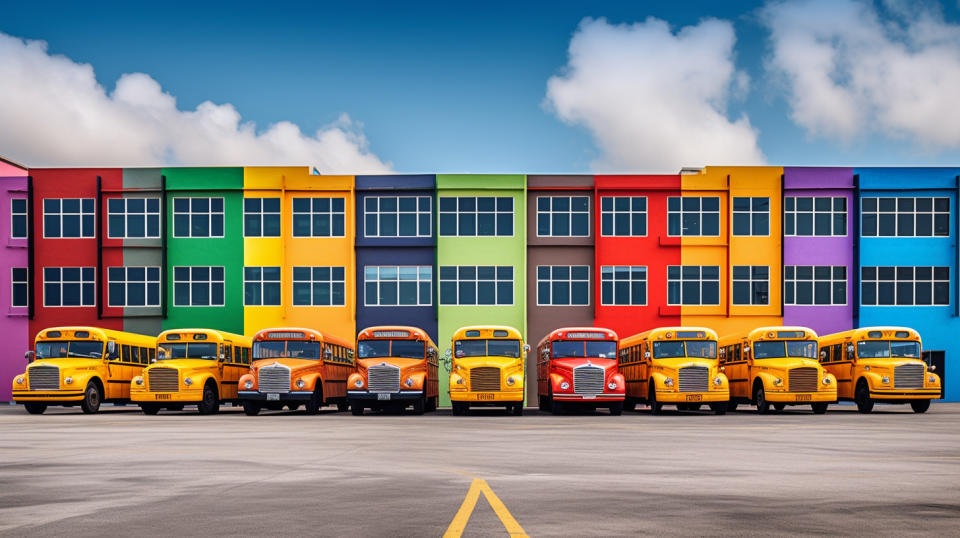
<point x="14" y="265"/>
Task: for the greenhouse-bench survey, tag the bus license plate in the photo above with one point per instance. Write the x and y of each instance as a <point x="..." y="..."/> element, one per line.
<point x="383" y="396"/>
<point x="273" y="397"/>
<point x="589" y="396"/>
<point x="804" y="397"/>
<point x="161" y="396"/>
<point x="694" y="397"/>
<point x="485" y="396"/>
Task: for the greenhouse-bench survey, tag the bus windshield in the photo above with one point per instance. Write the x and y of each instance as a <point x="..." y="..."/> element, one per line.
<point x="401" y="349"/>
<point x="193" y="350"/>
<point x="487" y="348"/>
<point x="564" y="349"/>
<point x="701" y="349"/>
<point x="65" y="348"/>
<point x="775" y="349"/>
<point x="291" y="349"/>
<point x="883" y="349"/>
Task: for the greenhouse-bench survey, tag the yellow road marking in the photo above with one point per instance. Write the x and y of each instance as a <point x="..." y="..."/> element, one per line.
<point x="478" y="486"/>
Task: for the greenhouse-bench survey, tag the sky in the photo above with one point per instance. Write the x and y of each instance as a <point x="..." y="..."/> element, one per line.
<point x="490" y="87"/>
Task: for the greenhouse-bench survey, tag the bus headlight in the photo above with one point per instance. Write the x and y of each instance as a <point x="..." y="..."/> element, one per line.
<point x="564" y="385"/>
<point x="777" y="381"/>
<point x="612" y="386"/>
<point x="20" y="380"/>
<point x="300" y="384"/>
<point x="248" y="384"/>
<point x="409" y="382"/>
<point x="930" y="379"/>
<point x="358" y="383"/>
<point x="68" y="380"/>
<point x="668" y="382"/>
<point x="187" y="381"/>
<point x="460" y="381"/>
<point x="511" y="381"/>
<point x="717" y="381"/>
<point x="826" y="381"/>
<point x="885" y="380"/>
<point x="138" y="380"/>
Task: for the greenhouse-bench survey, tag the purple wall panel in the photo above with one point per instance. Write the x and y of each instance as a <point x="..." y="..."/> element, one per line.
<point x="14" y="325"/>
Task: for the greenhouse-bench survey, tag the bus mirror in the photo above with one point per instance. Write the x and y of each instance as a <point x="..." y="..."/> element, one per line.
<point x="933" y="367"/>
<point x="29" y="355"/>
<point x="526" y="348"/>
<point x="111" y="348"/>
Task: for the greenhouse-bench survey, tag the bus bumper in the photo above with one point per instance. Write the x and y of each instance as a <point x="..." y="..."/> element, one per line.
<point x="905" y="395"/>
<point x="800" y="398"/>
<point x="186" y="396"/>
<point x="482" y="397"/>
<point x="403" y="395"/>
<point x="587" y="398"/>
<point x="47" y="396"/>
<point x="292" y="396"/>
<point x="692" y="397"/>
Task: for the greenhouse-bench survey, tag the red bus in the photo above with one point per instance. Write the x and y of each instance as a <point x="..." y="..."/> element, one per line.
<point x="397" y="366"/>
<point x="577" y="366"/>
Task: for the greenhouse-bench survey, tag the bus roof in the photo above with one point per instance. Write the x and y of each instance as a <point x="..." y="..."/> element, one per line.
<point x="563" y="333"/>
<point x="100" y="334"/>
<point x="219" y="335"/>
<point x="461" y="333"/>
<point x="415" y="333"/>
<point x="316" y="335"/>
<point x="861" y="333"/>
<point x="761" y="332"/>
<point x="661" y="332"/>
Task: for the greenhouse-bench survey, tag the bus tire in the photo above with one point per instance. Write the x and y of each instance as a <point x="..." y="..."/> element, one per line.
<point x="819" y="408"/>
<point x="557" y="407"/>
<point x="760" y="399"/>
<point x="35" y="408"/>
<point x="316" y="401"/>
<point x="629" y="404"/>
<point x="356" y="409"/>
<point x="251" y="408"/>
<point x="541" y="402"/>
<point x="210" y="403"/>
<point x="920" y="406"/>
<point x="655" y="407"/>
<point x="779" y="406"/>
<point x="616" y="409"/>
<point x="862" y="397"/>
<point x="719" y="408"/>
<point x="732" y="405"/>
<point x="150" y="409"/>
<point x="516" y="409"/>
<point x="91" y="398"/>
<point x="459" y="408"/>
<point x="419" y="405"/>
<point x="343" y="406"/>
<point x="432" y="404"/>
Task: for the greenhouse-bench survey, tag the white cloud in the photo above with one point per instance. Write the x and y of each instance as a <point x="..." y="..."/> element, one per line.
<point x="53" y="112"/>
<point x="851" y="70"/>
<point x="654" y="99"/>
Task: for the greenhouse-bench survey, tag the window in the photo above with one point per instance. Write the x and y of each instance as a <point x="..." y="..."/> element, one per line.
<point x="467" y="216"/>
<point x="318" y="217"/>
<point x="905" y="286"/>
<point x="198" y="286"/>
<point x="693" y="284"/>
<point x="318" y="286"/>
<point x="815" y="285"/>
<point x="397" y="216"/>
<point x="198" y="217"/>
<point x="810" y="216"/>
<point x="623" y="285"/>
<point x="563" y="216"/>
<point x="391" y="285"/>
<point x="751" y="285"/>
<point x="561" y="285"/>
<point x="624" y="216"/>
<point x="68" y="217"/>
<point x="131" y="218"/>
<point x="18" y="218"/>
<point x="476" y="285"/>
<point x="261" y="286"/>
<point x="751" y="216"/>
<point x="905" y="217"/>
<point x="69" y="286"/>
<point x="261" y="217"/>
<point x="19" y="286"/>
<point x="133" y="286"/>
<point x="692" y="216"/>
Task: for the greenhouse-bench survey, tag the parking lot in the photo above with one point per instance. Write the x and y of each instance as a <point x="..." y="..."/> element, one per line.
<point x="120" y="472"/>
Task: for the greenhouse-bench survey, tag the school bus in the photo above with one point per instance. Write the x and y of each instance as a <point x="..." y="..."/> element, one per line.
<point x="194" y="366"/>
<point x="674" y="366"/>
<point x="776" y="366"/>
<point x="397" y="366"/>
<point x="486" y="368"/>
<point x="294" y="366"/>
<point x="880" y="365"/>
<point x="577" y="366"/>
<point x="81" y="365"/>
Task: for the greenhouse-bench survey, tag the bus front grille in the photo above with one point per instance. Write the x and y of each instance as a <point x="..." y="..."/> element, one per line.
<point x="588" y="380"/>
<point x="694" y="379"/>
<point x="163" y="380"/>
<point x="908" y="376"/>
<point x="383" y="378"/>
<point x="802" y="380"/>
<point x="274" y="378"/>
<point x="485" y="378"/>
<point x="44" y="377"/>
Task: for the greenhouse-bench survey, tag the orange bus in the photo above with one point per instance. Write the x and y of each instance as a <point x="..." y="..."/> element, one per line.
<point x="293" y="366"/>
<point x="577" y="366"/>
<point x="397" y="366"/>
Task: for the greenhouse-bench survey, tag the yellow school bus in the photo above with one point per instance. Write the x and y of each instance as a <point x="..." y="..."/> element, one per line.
<point x="674" y="366"/>
<point x="487" y="368"/>
<point x="776" y="366"/>
<point x="879" y="365"/>
<point x="194" y="366"/>
<point x="81" y="365"/>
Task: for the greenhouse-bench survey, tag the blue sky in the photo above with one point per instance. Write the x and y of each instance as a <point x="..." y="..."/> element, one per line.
<point x="437" y="86"/>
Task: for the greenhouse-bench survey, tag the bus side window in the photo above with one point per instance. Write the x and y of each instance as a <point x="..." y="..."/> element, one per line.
<point x="736" y="352"/>
<point x="228" y="352"/>
<point x="153" y="354"/>
<point x="126" y="354"/>
<point x="135" y="355"/>
<point x="836" y="352"/>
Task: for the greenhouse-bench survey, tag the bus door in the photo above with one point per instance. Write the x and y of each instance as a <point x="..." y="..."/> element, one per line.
<point x="841" y="366"/>
<point x="229" y="373"/>
<point x="737" y="371"/>
<point x="938" y="360"/>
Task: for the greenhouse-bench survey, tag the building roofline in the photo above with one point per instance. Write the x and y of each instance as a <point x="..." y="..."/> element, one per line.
<point x="12" y="163"/>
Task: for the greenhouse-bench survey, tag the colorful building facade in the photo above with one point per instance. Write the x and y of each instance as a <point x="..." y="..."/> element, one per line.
<point x="242" y="249"/>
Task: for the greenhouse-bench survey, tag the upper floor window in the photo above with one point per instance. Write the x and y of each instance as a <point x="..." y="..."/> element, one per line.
<point x="397" y="216"/>
<point x="392" y="285"/>
<point x="19" y="287"/>
<point x="261" y="217"/>
<point x="261" y="286"/>
<point x="624" y="216"/>
<point x="751" y="215"/>
<point x="815" y="285"/>
<point x="469" y="285"/>
<point x="198" y="217"/>
<point x="904" y="286"/>
<point x="623" y="285"/>
<point x="319" y="286"/>
<point x="18" y="218"/>
<point x="133" y="286"/>
<point x="751" y="285"/>
<point x="318" y="217"/>
<point x="69" y="217"/>
<point x="198" y="286"/>
<point x="693" y="216"/>
<point x="69" y="286"/>
<point x="905" y="217"/>
<point x="562" y="285"/>
<point x="693" y="284"/>
<point x="815" y="216"/>
<point x="563" y="216"/>
<point x="130" y="218"/>
<point x="469" y="216"/>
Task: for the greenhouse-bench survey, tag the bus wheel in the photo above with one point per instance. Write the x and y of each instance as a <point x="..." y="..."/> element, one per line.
<point x="557" y="407"/>
<point x="516" y="410"/>
<point x="432" y="404"/>
<point x="630" y="404"/>
<point x="719" y="408"/>
<point x="149" y="409"/>
<point x="732" y="405"/>
<point x="356" y="409"/>
<point x="760" y="400"/>
<point x="419" y="405"/>
<point x="779" y="406"/>
<point x="35" y="408"/>
<point x="655" y="407"/>
<point x="920" y="406"/>
<point x="343" y="406"/>
<point x="316" y="401"/>
<point x="91" y="398"/>
<point x="616" y="409"/>
<point x="209" y="404"/>
<point x="862" y="397"/>
<point x="459" y="408"/>
<point x="251" y="408"/>
<point x="819" y="408"/>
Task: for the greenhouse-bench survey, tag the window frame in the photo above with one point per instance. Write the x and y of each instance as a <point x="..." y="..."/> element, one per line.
<point x="82" y="283"/>
<point x="476" y="212"/>
<point x="795" y="212"/>
<point x="417" y="213"/>
<point x="751" y="213"/>
<point x="750" y="281"/>
<point x="897" y="213"/>
<point x="630" y="212"/>
<point x="570" y="212"/>
<point x="476" y="280"/>
<point x="813" y="282"/>
<point x="146" y="286"/>
<point x="700" y="280"/>
<point x="331" y="213"/>
<point x="261" y="214"/>
<point x="210" y="283"/>
<point x="331" y="281"/>
<point x="147" y="214"/>
<point x="630" y="282"/>
<point x="933" y="282"/>
<point x="262" y="282"/>
<point x="700" y="213"/>
<point x="570" y="281"/>
<point x="210" y="213"/>
<point x="25" y="215"/>
<point x="13" y="286"/>
<point x="60" y="214"/>
<point x="418" y="281"/>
